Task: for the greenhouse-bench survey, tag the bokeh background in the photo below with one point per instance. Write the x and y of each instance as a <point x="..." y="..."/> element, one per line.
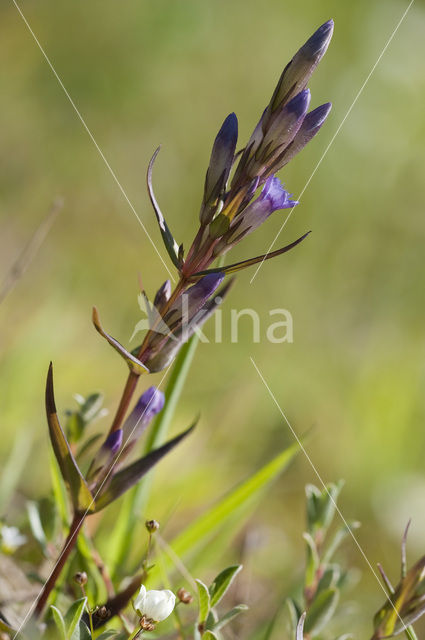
<point x="144" y="73"/>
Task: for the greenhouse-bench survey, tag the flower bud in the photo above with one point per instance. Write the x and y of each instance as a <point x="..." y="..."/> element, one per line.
<point x="219" y="168"/>
<point x="299" y="70"/>
<point x="184" y="596"/>
<point x="152" y="525"/>
<point x="149" y="404"/>
<point x="154" y="605"/>
<point x="311" y="125"/>
<point x="81" y="578"/>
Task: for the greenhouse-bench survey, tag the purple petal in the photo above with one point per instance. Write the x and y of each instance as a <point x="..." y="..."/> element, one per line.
<point x="149" y="404"/>
<point x="317" y="44"/>
<point x="113" y="442"/>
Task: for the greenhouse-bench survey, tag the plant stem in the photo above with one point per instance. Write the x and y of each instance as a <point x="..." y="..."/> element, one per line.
<point x="70" y="541"/>
<point x="136" y="633"/>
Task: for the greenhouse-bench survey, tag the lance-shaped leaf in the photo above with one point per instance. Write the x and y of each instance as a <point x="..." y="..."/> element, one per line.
<point x="125" y="479"/>
<point x="167" y="237"/>
<point x="204" y="601"/>
<point x="321" y="611"/>
<point x="133" y="363"/>
<point x="238" y="266"/>
<point x="222" y="583"/>
<point x="81" y="496"/>
<point x="229" y="616"/>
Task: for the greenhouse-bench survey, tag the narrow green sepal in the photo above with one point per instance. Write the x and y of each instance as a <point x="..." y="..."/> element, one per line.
<point x="133" y="363"/>
<point x="171" y="245"/>
<point x="81" y="496"/>
<point x="238" y="266"/>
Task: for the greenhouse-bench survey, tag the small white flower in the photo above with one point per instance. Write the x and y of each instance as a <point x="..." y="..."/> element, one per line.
<point x="155" y="605"/>
<point x="11" y="539"/>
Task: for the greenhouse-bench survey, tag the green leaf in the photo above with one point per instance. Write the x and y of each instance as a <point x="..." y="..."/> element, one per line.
<point x="59" y="621"/>
<point x="204" y="527"/>
<point x="59" y="490"/>
<point x="204" y="600"/>
<point x="167" y="237"/>
<point x="229" y="616"/>
<point x="111" y="633"/>
<point x="209" y="635"/>
<point x="137" y="499"/>
<point x="73" y="618"/>
<point x="321" y="611"/>
<point x="222" y="583"/>
<point x="125" y="479"/>
<point x="81" y="496"/>
<point x="313" y="560"/>
<point x="237" y="266"/>
<point x="321" y="505"/>
<point x="133" y="363"/>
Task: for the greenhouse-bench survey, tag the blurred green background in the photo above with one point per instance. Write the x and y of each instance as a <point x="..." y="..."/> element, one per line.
<point x="144" y="73"/>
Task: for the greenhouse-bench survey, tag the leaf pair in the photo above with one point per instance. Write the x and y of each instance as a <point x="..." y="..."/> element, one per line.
<point x="83" y="501"/>
<point x="209" y="598"/>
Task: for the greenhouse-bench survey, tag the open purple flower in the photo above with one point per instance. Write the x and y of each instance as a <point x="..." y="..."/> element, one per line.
<point x="272" y="198"/>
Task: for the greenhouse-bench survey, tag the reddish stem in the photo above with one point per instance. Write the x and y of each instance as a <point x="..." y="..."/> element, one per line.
<point x="70" y="541"/>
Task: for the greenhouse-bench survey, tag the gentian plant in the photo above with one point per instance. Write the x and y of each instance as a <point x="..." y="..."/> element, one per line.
<point x="241" y="192"/>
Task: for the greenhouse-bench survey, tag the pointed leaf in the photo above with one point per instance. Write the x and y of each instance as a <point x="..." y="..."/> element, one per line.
<point x="167" y="237"/>
<point x="229" y="616"/>
<point x="222" y="583"/>
<point x="232" y="268"/>
<point x="81" y="496"/>
<point x="209" y="635"/>
<point x="123" y="480"/>
<point x="73" y="616"/>
<point x="204" y="600"/>
<point x="133" y="363"/>
<point x="321" y="611"/>
<point x="59" y="621"/>
<point x="202" y="529"/>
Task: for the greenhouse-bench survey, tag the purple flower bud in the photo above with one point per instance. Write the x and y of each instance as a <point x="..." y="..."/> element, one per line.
<point x="149" y="404"/>
<point x="286" y="122"/>
<point x="192" y="300"/>
<point x="311" y="125"/>
<point x="113" y="442"/>
<point x="221" y="160"/>
<point x="298" y="72"/>
<point x="317" y="44"/>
